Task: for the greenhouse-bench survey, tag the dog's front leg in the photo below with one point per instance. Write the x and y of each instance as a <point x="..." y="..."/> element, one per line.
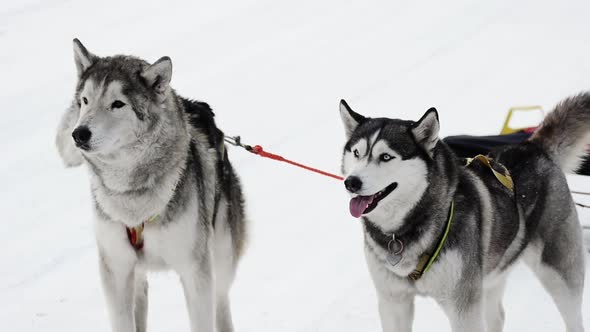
<point x="465" y="318"/>
<point x="396" y="311"/>
<point x="118" y="285"/>
<point x="141" y="301"/>
<point x="199" y="292"/>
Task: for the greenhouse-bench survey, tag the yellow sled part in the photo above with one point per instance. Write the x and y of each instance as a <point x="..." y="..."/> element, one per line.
<point x="506" y="129"/>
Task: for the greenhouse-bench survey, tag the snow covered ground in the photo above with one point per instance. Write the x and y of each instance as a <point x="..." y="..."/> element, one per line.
<point x="274" y="73"/>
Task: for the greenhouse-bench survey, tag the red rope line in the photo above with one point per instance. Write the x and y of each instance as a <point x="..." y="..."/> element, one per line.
<point x="258" y="150"/>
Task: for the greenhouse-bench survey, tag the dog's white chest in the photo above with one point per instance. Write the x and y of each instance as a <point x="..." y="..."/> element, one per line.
<point x="172" y="243"/>
<point x="166" y="243"/>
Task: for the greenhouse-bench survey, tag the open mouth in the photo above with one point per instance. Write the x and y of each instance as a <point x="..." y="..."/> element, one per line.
<point x="84" y="147"/>
<point x="360" y="205"/>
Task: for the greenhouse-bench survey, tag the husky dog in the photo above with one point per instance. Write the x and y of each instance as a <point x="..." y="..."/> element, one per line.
<point x="419" y="205"/>
<point x="165" y="194"/>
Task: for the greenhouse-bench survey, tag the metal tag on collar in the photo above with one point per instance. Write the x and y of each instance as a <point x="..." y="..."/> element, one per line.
<point x="395" y="248"/>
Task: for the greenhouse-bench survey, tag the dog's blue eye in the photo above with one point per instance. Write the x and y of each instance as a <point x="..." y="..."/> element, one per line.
<point x="356" y="153"/>
<point x="386" y="157"/>
<point x="85" y="100"/>
<point x="117" y="104"/>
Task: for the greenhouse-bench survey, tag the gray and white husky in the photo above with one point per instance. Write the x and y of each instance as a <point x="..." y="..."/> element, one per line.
<point x="408" y="187"/>
<point x="165" y="194"/>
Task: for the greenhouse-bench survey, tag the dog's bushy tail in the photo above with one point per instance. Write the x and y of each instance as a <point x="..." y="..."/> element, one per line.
<point x="565" y="132"/>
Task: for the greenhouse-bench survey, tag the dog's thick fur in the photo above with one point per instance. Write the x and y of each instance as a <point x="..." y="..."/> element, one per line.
<point x="152" y="154"/>
<point x="492" y="228"/>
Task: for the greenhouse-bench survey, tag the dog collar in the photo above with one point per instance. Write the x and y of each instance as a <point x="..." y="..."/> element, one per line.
<point x="395" y="246"/>
<point x="426" y="260"/>
<point x="135" y="234"/>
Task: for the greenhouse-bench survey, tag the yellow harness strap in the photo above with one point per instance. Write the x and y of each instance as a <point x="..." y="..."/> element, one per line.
<point x="505" y="179"/>
<point x="426" y="260"/>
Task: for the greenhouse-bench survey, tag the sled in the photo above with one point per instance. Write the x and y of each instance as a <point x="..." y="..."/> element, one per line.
<point x="466" y="146"/>
<point x="507" y="129"/>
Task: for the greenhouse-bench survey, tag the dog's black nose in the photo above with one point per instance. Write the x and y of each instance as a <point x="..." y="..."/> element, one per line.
<point x="353" y="184"/>
<point x="81" y="135"/>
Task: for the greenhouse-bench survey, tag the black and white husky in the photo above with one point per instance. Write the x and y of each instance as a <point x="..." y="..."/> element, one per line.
<point x="414" y="199"/>
<point x="165" y="193"/>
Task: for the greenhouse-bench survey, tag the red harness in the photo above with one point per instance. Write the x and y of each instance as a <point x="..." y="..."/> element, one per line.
<point x="135" y="236"/>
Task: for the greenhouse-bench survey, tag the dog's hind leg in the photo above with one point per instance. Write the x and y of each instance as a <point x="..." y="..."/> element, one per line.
<point x="494" y="309"/>
<point x="225" y="270"/>
<point x="224" y="319"/>
<point x="141" y="301"/>
<point x="223" y="283"/>
<point x="562" y="275"/>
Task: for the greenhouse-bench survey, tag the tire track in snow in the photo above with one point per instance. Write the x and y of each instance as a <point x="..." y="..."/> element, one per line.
<point x="51" y="266"/>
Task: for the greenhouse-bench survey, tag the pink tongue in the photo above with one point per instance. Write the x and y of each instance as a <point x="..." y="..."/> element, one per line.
<point x="359" y="204"/>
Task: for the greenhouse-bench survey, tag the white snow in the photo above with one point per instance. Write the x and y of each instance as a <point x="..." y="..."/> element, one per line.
<point x="274" y="72"/>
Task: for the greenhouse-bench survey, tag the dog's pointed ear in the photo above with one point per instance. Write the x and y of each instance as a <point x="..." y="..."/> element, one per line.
<point x="350" y="118"/>
<point x="158" y="76"/>
<point x="82" y="57"/>
<point x="425" y="131"/>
